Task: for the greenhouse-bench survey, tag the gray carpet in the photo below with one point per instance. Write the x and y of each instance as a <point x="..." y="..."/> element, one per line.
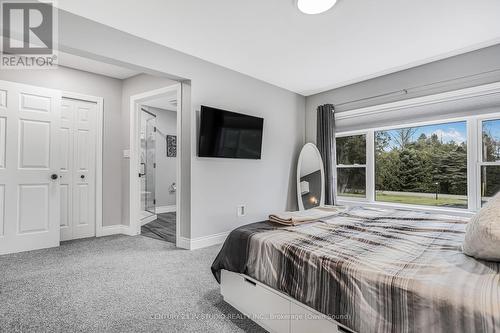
<point x="163" y="228"/>
<point x="114" y="284"/>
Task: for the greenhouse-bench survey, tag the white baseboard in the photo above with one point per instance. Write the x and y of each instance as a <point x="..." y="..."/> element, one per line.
<point x="201" y="242"/>
<point x="112" y="230"/>
<point x="166" y="209"/>
<point x="183" y="243"/>
<point x="148" y="219"/>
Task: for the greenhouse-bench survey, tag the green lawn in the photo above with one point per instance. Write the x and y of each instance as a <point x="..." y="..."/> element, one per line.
<point x="416" y="200"/>
<point x="352" y="195"/>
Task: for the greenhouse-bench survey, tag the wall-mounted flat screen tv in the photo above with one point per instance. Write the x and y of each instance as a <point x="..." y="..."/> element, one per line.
<point x="225" y="134"/>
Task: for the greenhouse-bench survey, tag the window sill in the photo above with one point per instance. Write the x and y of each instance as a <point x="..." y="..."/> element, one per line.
<point x="428" y="209"/>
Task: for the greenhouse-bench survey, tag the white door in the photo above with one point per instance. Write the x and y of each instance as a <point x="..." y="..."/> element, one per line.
<point x="78" y="151"/>
<point x="29" y="158"/>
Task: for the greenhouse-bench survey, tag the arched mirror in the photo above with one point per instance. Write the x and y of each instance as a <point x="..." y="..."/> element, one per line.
<point x="310" y="178"/>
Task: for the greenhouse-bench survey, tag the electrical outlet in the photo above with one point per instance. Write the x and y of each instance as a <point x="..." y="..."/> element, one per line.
<point x="242" y="210"/>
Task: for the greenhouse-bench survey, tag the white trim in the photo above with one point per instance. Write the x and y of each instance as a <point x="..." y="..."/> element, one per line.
<point x="405" y="125"/>
<point x="148" y="219"/>
<point x="134" y="195"/>
<point x="370" y="167"/>
<point x="473" y="149"/>
<point x="179" y="182"/>
<point x="184" y="243"/>
<point x="479" y="154"/>
<point x="166" y="209"/>
<point x="420" y="208"/>
<point x="201" y="242"/>
<point x="467" y="93"/>
<point x="113" y="230"/>
<point x="352" y="166"/>
<point x="99" y="151"/>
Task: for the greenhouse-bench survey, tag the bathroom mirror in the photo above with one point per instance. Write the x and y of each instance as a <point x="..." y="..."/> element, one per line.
<point x="310" y="178"/>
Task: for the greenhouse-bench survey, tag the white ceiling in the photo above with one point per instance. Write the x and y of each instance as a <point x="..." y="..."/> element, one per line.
<point x="88" y="65"/>
<point x="166" y="102"/>
<point x="272" y="41"/>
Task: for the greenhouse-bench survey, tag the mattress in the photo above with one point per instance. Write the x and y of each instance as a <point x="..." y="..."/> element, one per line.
<point x="373" y="270"/>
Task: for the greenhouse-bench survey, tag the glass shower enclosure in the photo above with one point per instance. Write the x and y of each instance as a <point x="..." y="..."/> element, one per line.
<point x="148" y="163"/>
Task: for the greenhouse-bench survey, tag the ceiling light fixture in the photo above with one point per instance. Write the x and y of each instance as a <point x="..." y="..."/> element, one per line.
<point x="315" y="6"/>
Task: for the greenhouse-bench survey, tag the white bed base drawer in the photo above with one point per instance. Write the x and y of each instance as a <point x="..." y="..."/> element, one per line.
<point x="274" y="311"/>
<point x="258" y="303"/>
<point x="303" y="320"/>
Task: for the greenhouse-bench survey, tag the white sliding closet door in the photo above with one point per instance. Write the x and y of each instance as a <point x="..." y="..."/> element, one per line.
<point x="78" y="150"/>
<point x="29" y="158"/>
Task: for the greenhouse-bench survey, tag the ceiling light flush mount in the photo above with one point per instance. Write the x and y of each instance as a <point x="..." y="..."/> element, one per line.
<point x="315" y="6"/>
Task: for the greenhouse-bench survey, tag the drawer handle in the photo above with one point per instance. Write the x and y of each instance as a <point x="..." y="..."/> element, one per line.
<point x="251" y="282"/>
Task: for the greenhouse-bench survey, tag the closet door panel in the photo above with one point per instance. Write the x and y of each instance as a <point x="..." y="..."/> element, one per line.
<point x="66" y="171"/>
<point x="82" y="173"/>
<point x="29" y="165"/>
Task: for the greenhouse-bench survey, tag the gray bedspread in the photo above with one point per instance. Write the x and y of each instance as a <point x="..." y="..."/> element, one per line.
<point x="373" y="270"/>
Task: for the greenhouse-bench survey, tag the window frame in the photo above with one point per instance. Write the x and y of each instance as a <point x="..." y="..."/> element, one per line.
<point x="355" y="165"/>
<point x="474" y="164"/>
<point x="479" y="156"/>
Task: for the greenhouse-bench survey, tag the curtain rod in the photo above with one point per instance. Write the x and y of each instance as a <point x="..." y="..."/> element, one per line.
<point x="407" y="90"/>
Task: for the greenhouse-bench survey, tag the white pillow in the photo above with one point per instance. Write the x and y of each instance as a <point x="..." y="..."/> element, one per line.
<point x="482" y="237"/>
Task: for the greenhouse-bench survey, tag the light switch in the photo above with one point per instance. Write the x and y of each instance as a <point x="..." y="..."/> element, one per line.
<point x="126" y="153"/>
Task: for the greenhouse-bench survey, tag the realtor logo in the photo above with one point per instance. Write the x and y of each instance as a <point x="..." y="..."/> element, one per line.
<point x="28" y="34"/>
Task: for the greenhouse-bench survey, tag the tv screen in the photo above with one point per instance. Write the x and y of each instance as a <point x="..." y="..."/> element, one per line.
<point x="227" y="134"/>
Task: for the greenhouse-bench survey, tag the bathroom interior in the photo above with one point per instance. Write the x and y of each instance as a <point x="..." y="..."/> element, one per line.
<point x="158" y="168"/>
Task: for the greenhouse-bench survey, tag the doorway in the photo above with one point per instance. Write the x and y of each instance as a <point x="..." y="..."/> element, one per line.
<point x="158" y="169"/>
<point x="155" y="187"/>
<point x="148" y="165"/>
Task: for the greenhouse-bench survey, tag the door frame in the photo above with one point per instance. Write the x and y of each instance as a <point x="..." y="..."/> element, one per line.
<point x="99" y="151"/>
<point x="134" y="181"/>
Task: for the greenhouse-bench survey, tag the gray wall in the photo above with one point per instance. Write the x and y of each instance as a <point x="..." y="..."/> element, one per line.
<point x="110" y="89"/>
<point x="217" y="186"/>
<point x="482" y="66"/>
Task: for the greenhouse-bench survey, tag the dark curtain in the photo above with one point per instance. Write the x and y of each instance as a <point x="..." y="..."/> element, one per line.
<point x="326" y="145"/>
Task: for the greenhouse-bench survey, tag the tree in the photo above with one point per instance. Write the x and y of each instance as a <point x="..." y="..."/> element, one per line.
<point x="422" y="139"/>
<point x="451" y="170"/>
<point x="387" y="171"/>
<point x="351" y="149"/>
<point x="382" y="140"/>
<point x="491" y="147"/>
<point x="403" y="137"/>
<point x="421" y="164"/>
<point x="410" y="170"/>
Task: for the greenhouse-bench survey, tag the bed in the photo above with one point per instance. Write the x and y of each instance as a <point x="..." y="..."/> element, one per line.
<point x="369" y="270"/>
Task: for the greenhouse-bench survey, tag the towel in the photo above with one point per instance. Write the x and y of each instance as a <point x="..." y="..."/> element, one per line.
<point x="304" y="216"/>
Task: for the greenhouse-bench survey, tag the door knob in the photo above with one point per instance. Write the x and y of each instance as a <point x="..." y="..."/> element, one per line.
<point x="82" y="176"/>
<point x="54" y="176"/>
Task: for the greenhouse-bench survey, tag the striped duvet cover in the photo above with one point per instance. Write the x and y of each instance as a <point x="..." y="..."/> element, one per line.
<point x="373" y="270"/>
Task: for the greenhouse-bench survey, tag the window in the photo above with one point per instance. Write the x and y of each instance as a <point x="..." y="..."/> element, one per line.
<point x="450" y="165"/>
<point x="490" y="161"/>
<point x="425" y="165"/>
<point x="351" y="166"/>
